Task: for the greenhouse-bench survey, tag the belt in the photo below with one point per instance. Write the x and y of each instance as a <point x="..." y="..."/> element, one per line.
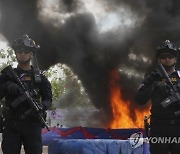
<point x="167" y="121"/>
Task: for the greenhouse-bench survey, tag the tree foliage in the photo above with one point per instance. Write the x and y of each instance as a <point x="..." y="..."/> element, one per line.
<point x="67" y="89"/>
<point x="7" y="57"/>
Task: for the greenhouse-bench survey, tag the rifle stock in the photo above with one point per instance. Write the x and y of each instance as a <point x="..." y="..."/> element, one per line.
<point x="164" y="73"/>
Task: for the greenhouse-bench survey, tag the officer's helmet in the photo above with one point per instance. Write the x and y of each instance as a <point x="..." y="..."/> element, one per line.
<point x="25" y="42"/>
<point x="166" y="47"/>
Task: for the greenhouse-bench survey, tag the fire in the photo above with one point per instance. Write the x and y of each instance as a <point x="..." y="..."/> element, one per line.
<point x="122" y="110"/>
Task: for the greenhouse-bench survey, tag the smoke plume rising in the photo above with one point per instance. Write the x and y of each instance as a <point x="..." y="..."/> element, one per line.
<point x="94" y="37"/>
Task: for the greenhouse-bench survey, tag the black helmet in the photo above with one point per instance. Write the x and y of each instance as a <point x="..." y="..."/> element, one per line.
<point x="166" y="47"/>
<point x="25" y="42"/>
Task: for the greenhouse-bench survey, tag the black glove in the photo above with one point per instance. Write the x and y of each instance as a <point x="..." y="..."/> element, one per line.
<point x="162" y="87"/>
<point x="12" y="88"/>
<point x="42" y="107"/>
<point x="154" y="76"/>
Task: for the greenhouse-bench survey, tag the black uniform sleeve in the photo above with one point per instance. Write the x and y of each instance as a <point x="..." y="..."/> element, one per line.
<point x="2" y="85"/>
<point x="145" y="90"/>
<point x="46" y="92"/>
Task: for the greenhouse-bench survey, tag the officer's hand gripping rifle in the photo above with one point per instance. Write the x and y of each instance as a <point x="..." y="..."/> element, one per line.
<point x="26" y="95"/>
<point x="175" y="96"/>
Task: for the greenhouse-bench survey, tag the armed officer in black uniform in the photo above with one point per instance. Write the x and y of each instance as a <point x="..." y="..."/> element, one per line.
<point x="164" y="121"/>
<point x="22" y="125"/>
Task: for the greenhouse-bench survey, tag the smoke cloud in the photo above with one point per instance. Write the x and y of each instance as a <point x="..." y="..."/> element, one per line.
<point x="94" y="37"/>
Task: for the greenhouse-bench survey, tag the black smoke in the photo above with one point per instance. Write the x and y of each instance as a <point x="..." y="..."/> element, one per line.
<point x="92" y="54"/>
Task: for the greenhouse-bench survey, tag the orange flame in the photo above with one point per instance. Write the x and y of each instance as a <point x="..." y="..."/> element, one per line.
<point x="122" y="110"/>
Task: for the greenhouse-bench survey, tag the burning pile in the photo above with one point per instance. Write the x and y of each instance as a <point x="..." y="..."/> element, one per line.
<point x="122" y="110"/>
<point x="93" y="37"/>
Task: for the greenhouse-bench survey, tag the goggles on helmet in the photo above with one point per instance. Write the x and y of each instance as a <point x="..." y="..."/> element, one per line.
<point x="25" y="42"/>
<point x="167" y="44"/>
<point x="166" y="47"/>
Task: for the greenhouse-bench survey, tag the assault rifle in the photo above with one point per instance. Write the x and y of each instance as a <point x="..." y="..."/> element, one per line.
<point x="175" y="95"/>
<point x="26" y="95"/>
<point x="147" y="125"/>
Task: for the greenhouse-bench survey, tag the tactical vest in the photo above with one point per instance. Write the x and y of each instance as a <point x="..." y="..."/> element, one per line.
<point x="21" y="108"/>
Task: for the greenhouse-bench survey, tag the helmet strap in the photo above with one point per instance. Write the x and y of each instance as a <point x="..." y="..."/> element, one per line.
<point x="169" y="67"/>
<point x="24" y="62"/>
